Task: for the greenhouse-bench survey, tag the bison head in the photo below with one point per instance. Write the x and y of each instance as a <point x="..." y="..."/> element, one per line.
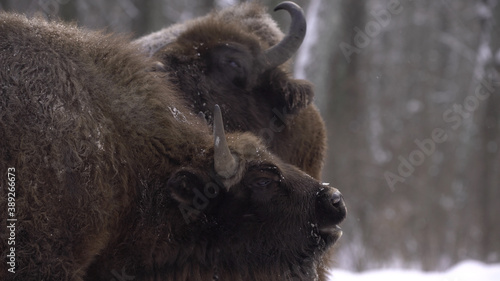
<point x="223" y="59"/>
<point x="252" y="217"/>
<point x="236" y="58"/>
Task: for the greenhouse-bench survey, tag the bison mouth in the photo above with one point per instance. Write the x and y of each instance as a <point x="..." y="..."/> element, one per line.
<point x="331" y="211"/>
<point x="325" y="236"/>
<point x="330" y="234"/>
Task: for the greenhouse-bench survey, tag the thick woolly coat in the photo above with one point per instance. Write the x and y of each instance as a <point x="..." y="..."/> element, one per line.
<point x="107" y="159"/>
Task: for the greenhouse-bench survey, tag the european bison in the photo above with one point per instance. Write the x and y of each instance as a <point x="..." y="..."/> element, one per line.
<point x="236" y="58"/>
<point x="107" y="176"/>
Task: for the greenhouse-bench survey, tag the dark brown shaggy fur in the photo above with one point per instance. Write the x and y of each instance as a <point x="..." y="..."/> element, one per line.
<point x="106" y="157"/>
<point x="215" y="60"/>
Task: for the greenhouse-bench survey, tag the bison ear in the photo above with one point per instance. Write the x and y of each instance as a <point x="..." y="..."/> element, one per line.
<point x="295" y="94"/>
<point x="182" y="186"/>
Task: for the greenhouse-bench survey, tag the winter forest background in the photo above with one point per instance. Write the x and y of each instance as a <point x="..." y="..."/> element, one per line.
<point x="409" y="91"/>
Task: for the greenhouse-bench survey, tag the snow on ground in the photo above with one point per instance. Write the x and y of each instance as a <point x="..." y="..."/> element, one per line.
<point x="464" y="271"/>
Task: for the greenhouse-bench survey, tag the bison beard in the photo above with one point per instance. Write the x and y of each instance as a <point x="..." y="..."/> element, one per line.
<point x="106" y="153"/>
<point x="236" y="58"/>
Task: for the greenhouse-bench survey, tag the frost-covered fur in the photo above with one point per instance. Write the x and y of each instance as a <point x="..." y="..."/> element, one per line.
<point x="110" y="164"/>
<point x="251" y="16"/>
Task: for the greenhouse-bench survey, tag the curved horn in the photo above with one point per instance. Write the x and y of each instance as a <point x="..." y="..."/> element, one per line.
<point x="284" y="50"/>
<point x="225" y="164"/>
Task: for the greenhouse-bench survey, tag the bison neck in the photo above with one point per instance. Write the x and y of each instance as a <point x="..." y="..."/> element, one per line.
<point x="197" y="260"/>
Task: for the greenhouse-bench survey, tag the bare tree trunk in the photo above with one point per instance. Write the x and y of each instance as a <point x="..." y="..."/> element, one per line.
<point x="490" y="146"/>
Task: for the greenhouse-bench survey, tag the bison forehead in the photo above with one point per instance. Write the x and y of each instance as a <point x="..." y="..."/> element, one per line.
<point x="210" y="33"/>
<point x="253" y="18"/>
<point x="250" y="18"/>
<point x="246" y="149"/>
<point x="249" y="147"/>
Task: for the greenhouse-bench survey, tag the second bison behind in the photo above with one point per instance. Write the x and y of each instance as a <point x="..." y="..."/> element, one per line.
<point x="237" y="58"/>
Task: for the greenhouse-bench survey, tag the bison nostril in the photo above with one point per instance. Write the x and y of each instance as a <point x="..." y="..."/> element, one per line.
<point x="336" y="197"/>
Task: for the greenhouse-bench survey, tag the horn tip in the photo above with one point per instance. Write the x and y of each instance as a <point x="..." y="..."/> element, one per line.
<point x="287" y="5"/>
<point x="217" y="116"/>
<point x="217" y="112"/>
<point x="286" y="48"/>
<point x="225" y="164"/>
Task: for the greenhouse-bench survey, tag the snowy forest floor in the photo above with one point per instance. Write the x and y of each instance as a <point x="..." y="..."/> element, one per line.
<point x="464" y="271"/>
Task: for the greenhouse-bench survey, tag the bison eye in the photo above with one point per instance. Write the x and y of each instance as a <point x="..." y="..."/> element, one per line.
<point x="262" y="182"/>
<point x="229" y="64"/>
<point x="234" y="64"/>
<point x="263" y="177"/>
